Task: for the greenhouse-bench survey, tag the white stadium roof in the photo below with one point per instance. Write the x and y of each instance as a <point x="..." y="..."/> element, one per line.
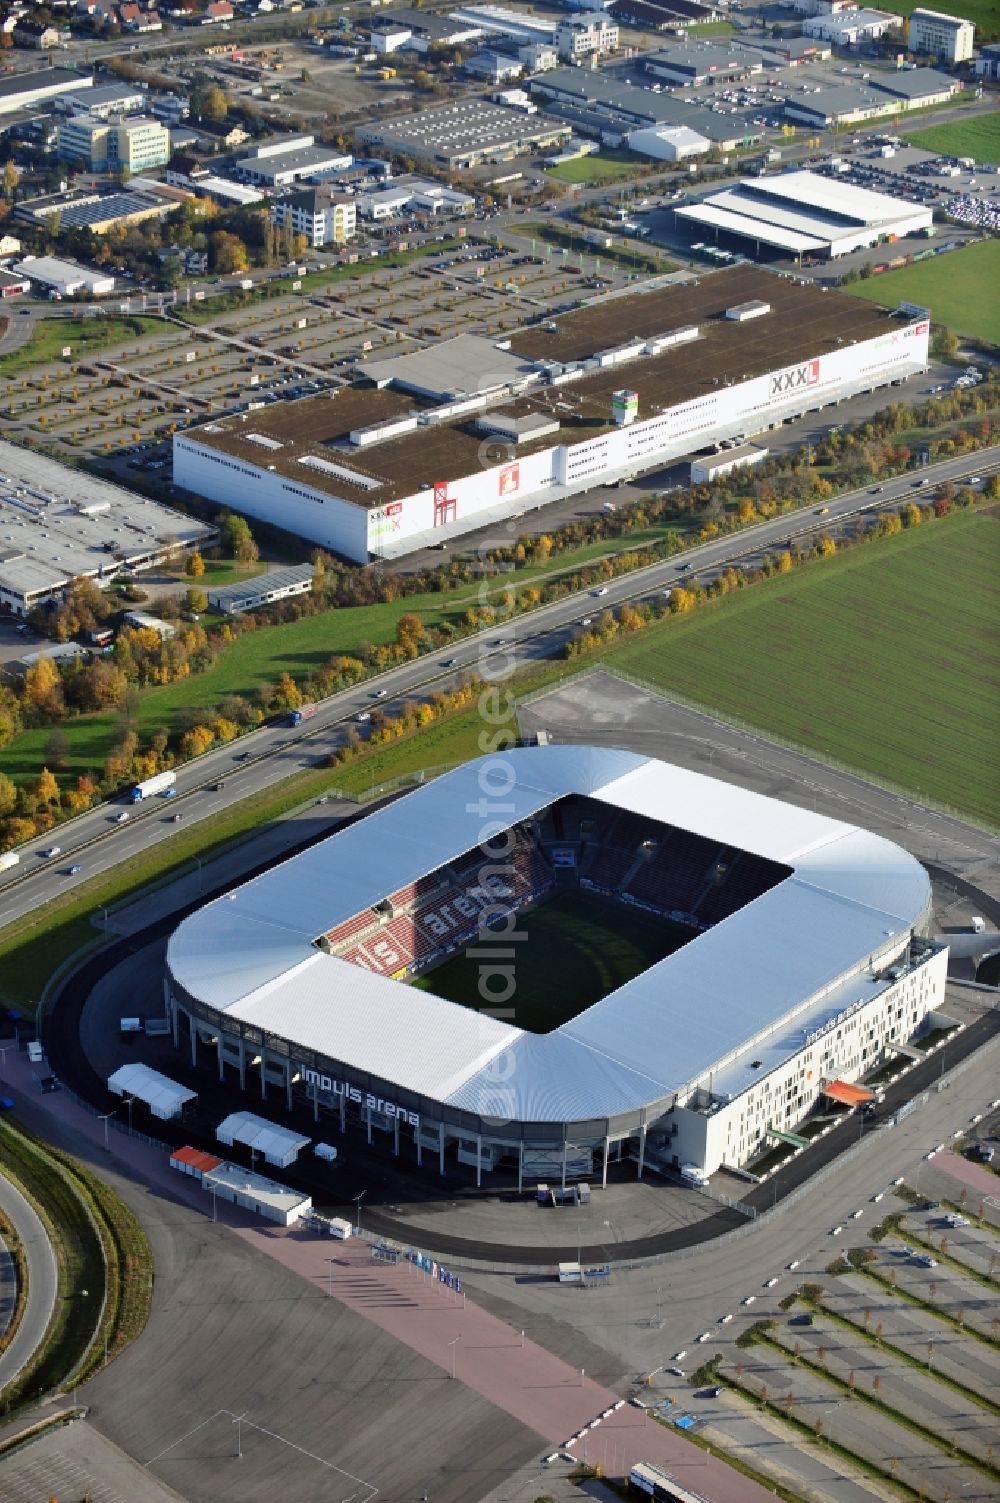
<point x="251" y="955"/>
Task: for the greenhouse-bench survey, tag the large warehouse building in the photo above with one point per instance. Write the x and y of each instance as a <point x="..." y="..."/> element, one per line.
<point x="59" y="524"/>
<point x="612" y="389"/>
<point x="804" y="213"/>
<point x="792" y="963"/>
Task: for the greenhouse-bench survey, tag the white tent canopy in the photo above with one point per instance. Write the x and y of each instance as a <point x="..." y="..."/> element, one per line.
<point x="277" y="1144"/>
<point x="163" y="1096"/>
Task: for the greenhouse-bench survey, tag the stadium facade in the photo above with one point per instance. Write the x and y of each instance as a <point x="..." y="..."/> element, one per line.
<point x="471" y="432"/>
<point x="806" y="965"/>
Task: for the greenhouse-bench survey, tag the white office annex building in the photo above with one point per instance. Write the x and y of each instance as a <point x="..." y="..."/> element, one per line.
<point x="698" y="1059"/>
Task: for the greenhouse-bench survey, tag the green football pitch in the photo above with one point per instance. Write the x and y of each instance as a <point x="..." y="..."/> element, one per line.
<point x="577" y="948"/>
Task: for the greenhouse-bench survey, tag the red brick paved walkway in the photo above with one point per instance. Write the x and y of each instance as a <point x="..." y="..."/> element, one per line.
<point x="527" y="1382"/>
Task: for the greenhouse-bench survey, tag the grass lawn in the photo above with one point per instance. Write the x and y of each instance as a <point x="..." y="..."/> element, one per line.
<point x="596" y="168"/>
<point x="978" y="138"/>
<point x="960" y="289"/>
<point x="886" y="658"/>
<point x="578" y="948"/>
<point x="85" y="336"/>
<point x="294" y="647"/>
<point x="983" y="14"/>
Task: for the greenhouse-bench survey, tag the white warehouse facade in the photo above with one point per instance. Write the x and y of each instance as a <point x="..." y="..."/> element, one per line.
<point x="373" y="473"/>
<point x="803" y="966"/>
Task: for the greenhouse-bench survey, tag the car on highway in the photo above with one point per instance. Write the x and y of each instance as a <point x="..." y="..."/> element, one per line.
<point x="362" y="716"/>
<point x="50" y="852"/>
<point x="122" y="818"/>
<point x="169" y="793"/>
<point x="449" y="662"/>
<point x="241" y="756"/>
<point x="379" y="694"/>
<point x="176" y="818"/>
<point x="74" y="870"/>
<point x="821" y="511"/>
<point x="215" y="787"/>
<point x="602" y="591"/>
<point x="925" y="1260"/>
<point x="836" y="1231"/>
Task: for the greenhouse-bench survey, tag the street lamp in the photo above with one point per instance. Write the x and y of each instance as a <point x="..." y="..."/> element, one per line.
<point x="357" y="1215"/>
<point x="454" y="1345"/>
<point x="103" y="1117"/>
<point x="129" y="1102"/>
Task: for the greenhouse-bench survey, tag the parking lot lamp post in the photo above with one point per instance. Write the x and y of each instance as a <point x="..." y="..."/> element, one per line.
<point x="357" y="1215"/>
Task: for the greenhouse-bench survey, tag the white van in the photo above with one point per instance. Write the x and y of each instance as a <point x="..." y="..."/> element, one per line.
<point x="36" y="1055"/>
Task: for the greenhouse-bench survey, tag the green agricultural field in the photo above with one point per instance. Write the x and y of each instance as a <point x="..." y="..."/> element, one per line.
<point x="984" y="15"/>
<point x="578" y="948"/>
<point x="960" y="289"/>
<point x="978" y="138"/>
<point x="886" y="658"/>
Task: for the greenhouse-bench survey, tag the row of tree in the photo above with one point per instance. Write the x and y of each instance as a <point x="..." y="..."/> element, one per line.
<point x="629" y="618"/>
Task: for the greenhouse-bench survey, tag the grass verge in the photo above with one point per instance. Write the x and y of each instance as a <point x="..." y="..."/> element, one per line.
<point x="103" y="1261"/>
<point x="84" y="336"/>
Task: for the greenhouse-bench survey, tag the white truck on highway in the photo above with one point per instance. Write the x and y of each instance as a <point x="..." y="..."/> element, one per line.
<point x="158" y="784"/>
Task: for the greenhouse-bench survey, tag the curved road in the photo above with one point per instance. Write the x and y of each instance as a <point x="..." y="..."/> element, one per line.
<point x="42" y="1282"/>
<point x="268" y="755"/>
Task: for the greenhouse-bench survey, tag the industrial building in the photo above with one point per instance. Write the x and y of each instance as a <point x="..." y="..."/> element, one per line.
<point x="598" y="106"/>
<point x="419" y="31"/>
<point x="669" y="143"/>
<point x="846" y="28"/>
<point x="103" y="100"/>
<point x="293" y="159"/>
<point x="804" y="213"/>
<point x="20" y="91"/>
<point x="464" y="134"/>
<point x="58" y="524"/>
<point x="948" y="37"/>
<point x="471" y="431"/>
<point x="799" y="966"/>
<point x="263" y="589"/>
<point x="64" y="277"/>
<point x="694" y="63"/>
<point x="846" y="104"/>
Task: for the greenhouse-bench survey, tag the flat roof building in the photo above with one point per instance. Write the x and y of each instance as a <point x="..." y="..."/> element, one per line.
<point x="58" y="524"/>
<point x="948" y="37"/>
<point x="276" y="167"/>
<point x="250" y="594"/>
<point x="479" y="433"/>
<point x="464" y="134"/>
<point x="254" y="1192"/>
<point x="64" y="277"/>
<point x="848" y="27"/>
<point x="20" y="91"/>
<point x="804" y="213"/>
<point x="697" y="63"/>
<point x="103" y="100"/>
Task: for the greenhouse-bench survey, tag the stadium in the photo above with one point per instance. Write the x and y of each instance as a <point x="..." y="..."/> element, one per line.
<point x="558" y="958"/>
<point x="471" y="431"/>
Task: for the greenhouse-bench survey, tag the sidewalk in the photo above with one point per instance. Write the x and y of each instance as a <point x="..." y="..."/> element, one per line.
<point x="527" y="1382"/>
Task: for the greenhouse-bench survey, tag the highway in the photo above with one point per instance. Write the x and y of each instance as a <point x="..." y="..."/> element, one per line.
<point x="266" y="756"/>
